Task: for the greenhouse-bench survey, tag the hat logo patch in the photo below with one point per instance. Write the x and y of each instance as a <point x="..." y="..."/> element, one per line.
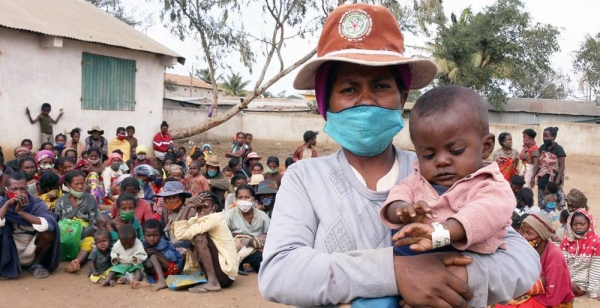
<point x="355" y="25"/>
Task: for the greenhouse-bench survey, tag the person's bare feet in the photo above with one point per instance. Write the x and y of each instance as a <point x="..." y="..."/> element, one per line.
<point x="108" y="283"/>
<point x="139" y="284"/>
<point x="206" y="287"/>
<point x="73" y="267"/>
<point x="161" y="284"/>
<point x="121" y="280"/>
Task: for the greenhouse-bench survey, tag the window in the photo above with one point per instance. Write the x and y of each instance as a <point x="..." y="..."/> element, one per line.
<point x="107" y="83"/>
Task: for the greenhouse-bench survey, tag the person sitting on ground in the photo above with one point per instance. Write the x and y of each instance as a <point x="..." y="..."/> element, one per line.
<point x="85" y="155"/>
<point x="238" y="149"/>
<point x="28" y="168"/>
<point x="75" y="142"/>
<point x="49" y="189"/>
<point x="581" y="249"/>
<point x="133" y="142"/>
<point x="255" y="180"/>
<point x="525" y="204"/>
<point x="127" y="256"/>
<point x="182" y="151"/>
<point x="111" y="172"/>
<point x="252" y="159"/>
<point x="141" y="158"/>
<point x="162" y="140"/>
<point x="560" y="232"/>
<point x="195" y="180"/>
<point x="213" y="244"/>
<point x="119" y="142"/>
<point x="273" y="173"/>
<point x="28" y="144"/>
<point x="553" y="288"/>
<point x="70" y="153"/>
<point x="179" y="160"/>
<point x="257" y="168"/>
<point x="194" y="150"/>
<point x="516" y="184"/>
<point x="174" y="195"/>
<point x="29" y="233"/>
<point x="576" y="199"/>
<point x="227" y="173"/>
<point x="48" y="146"/>
<point x="126" y="206"/>
<point x="20" y="153"/>
<point x="308" y="149"/>
<point x="60" y="141"/>
<point x="78" y="204"/>
<point x="288" y="162"/>
<point x="163" y="259"/>
<point x="266" y="192"/>
<point x="96" y="140"/>
<point x="45" y="161"/>
<point x="45" y="120"/>
<point x="93" y="168"/>
<point x="218" y="183"/>
<point x="3" y="167"/>
<point x="236" y="181"/>
<point x="99" y="259"/>
<point x="64" y="165"/>
<point x="246" y="219"/>
<point x="145" y="175"/>
<point x="236" y="167"/>
<point x="551" y="198"/>
<point x="143" y="209"/>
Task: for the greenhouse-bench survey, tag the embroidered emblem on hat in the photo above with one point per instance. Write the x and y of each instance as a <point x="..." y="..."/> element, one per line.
<point x="355" y="25"/>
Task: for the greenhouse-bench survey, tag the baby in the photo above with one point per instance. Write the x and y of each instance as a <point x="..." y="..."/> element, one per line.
<point x="453" y="197"/>
<point x="127" y="256"/>
<point x="99" y="258"/>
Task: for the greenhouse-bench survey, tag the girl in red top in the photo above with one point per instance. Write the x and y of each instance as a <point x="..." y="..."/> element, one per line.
<point x="162" y="141"/>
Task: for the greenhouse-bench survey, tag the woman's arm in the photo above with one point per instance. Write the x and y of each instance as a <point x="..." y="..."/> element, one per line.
<point x="536" y="168"/>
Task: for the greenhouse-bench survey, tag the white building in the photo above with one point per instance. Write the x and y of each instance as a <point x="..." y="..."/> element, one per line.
<point x="79" y="58"/>
<point x="189" y="87"/>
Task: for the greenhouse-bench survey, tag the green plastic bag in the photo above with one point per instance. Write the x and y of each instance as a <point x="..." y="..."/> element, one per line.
<point x="70" y="237"/>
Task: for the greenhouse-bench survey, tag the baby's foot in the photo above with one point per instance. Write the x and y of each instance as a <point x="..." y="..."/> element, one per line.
<point x="73" y="267"/>
<point x="121" y="280"/>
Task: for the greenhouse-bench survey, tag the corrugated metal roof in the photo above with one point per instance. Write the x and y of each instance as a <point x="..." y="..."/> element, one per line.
<point x="551" y="106"/>
<point x="78" y="20"/>
<point x="187" y="81"/>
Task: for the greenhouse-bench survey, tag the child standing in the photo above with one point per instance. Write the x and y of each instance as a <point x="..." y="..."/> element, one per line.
<point x="46" y="121"/>
<point x="163" y="259"/>
<point x="453" y="197"/>
<point x="127" y="256"/>
<point x="196" y="181"/>
<point x="99" y="258"/>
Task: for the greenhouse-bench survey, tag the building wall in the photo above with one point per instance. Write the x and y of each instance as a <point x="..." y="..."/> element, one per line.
<point x="526" y="118"/>
<point x="189" y="91"/>
<point x="576" y="138"/>
<point x="31" y="75"/>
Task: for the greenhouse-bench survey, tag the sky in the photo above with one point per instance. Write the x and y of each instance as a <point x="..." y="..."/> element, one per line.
<point x="575" y="19"/>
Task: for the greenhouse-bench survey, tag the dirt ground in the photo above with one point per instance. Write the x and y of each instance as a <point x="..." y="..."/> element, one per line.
<point x="75" y="290"/>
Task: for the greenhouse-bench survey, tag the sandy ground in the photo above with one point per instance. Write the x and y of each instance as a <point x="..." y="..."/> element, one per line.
<point x="75" y="290"/>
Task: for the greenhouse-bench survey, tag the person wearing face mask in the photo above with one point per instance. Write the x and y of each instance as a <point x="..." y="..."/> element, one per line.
<point x="272" y="172"/>
<point x="141" y="158"/>
<point x="111" y="172"/>
<point x="145" y="174"/>
<point x="119" y="142"/>
<point x="551" y="166"/>
<point x="325" y="216"/>
<point x="246" y="219"/>
<point x="236" y="181"/>
<point x="59" y="142"/>
<point x="93" y="169"/>
<point x="265" y="196"/>
<point x="78" y="204"/>
<point x="174" y="196"/>
<point x="581" y="249"/>
<point x="553" y="288"/>
<point x="28" y="169"/>
<point x="219" y="185"/>
<point x="126" y="204"/>
<point x="45" y="161"/>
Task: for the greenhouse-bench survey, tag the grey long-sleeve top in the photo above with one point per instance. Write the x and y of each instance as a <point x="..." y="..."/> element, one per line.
<point x="326" y="244"/>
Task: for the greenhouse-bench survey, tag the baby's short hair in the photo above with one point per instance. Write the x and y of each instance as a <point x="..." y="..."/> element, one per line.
<point x="101" y="232"/>
<point x="517" y="180"/>
<point x="127" y="232"/>
<point x="152" y="224"/>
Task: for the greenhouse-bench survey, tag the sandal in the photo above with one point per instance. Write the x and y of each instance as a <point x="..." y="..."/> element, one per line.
<point x="245" y="272"/>
<point x="39" y="271"/>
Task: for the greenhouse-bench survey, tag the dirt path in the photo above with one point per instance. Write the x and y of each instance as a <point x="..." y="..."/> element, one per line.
<point x="74" y="290"/>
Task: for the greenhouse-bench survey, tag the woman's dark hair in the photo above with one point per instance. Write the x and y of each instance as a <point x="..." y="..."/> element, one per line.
<point x="289" y="161"/>
<point x="258" y="164"/>
<point x="525" y="195"/>
<point x="245" y="187"/>
<point x="552" y="187"/>
<point x="60" y="135"/>
<point x="164" y="124"/>
<point x="233" y="162"/>
<point x="579" y="214"/>
<point x="273" y="159"/>
<point x="49" y="181"/>
<point x="45" y="144"/>
<point x="552" y="130"/>
<point x="125" y="197"/>
<point x="25" y="141"/>
<point x="74" y="131"/>
<point x="238" y="177"/>
<point x="72" y="175"/>
<point x="95" y="150"/>
<point x="502" y="137"/>
<point x="26" y="159"/>
<point x="530" y="133"/>
<point x="152" y="224"/>
<point x="130" y="182"/>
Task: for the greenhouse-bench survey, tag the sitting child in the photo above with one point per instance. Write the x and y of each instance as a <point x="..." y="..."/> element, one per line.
<point x="525" y="204"/>
<point x="551" y="198"/>
<point x="516" y="184"/>
<point x="163" y="259"/>
<point x="454" y="197"/>
<point x="127" y="256"/>
<point x="561" y="231"/>
<point x="99" y="258"/>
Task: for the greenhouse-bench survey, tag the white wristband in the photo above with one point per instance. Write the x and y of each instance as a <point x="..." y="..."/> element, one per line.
<point x="440" y="236"/>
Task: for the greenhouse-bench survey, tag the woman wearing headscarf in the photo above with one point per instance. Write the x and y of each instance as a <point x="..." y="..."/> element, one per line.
<point x="45" y="161"/>
<point x="551" y="167"/>
<point x="553" y="288"/>
<point x="20" y="153"/>
<point x="581" y="249"/>
<point x="576" y="199"/>
<point x="325" y="216"/>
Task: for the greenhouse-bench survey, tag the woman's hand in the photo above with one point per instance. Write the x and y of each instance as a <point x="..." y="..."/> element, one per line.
<point x="424" y="280"/>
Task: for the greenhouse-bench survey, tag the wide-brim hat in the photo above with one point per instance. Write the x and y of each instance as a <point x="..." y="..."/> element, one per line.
<point x="266" y="187"/>
<point x="96" y="128"/>
<point x="253" y="155"/>
<point x="172" y="188"/>
<point x="213" y="161"/>
<point x="256" y="179"/>
<point x="367" y="35"/>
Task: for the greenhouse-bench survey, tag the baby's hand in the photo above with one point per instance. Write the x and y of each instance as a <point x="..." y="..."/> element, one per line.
<point x="134" y="260"/>
<point x="115" y="261"/>
<point x="417" y="235"/>
<point x="408" y="212"/>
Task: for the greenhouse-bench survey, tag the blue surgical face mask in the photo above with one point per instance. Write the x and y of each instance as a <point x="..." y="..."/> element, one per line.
<point x="211" y="173"/>
<point x="364" y="130"/>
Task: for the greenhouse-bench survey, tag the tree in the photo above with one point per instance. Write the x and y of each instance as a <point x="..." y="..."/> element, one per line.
<point x="492" y="50"/>
<point x="204" y="75"/>
<point x="587" y="63"/>
<point x="546" y="85"/>
<point x="219" y="26"/>
<point x="233" y="85"/>
<point x="115" y="8"/>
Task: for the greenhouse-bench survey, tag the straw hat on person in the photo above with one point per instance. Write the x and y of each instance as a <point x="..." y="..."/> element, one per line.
<point x="213" y="160"/>
<point x="252" y="155"/>
<point x="96" y="128"/>
<point x="256" y="179"/>
<point x="174" y="188"/>
<point x="368" y="35"/>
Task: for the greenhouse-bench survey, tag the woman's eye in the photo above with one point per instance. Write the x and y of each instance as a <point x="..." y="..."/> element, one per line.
<point x="457" y="152"/>
<point x="348" y="90"/>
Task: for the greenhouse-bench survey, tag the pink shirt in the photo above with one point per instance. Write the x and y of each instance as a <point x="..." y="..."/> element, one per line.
<point x="482" y="202"/>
